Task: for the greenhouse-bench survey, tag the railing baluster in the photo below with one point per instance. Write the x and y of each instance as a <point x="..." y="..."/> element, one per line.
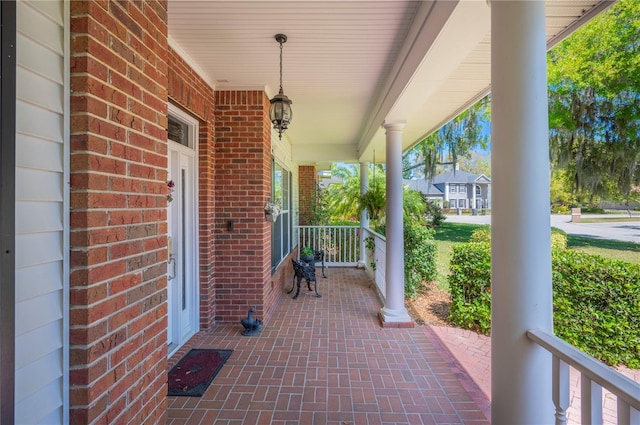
<point x="627" y="415"/>
<point x="343" y="244"/>
<point x="560" y="389"/>
<point x="591" y="400"/>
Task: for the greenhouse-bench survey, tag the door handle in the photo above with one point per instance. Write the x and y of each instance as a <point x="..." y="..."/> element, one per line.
<point x="171" y="266"/>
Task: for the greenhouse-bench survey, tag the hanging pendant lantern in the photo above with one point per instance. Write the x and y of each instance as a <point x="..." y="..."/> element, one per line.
<point x="280" y="111"/>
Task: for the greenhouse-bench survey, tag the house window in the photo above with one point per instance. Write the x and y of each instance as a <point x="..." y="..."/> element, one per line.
<point x="178" y="131"/>
<point x="453" y="188"/>
<point x="478" y="191"/>
<point x="281" y="230"/>
<point x="452" y="203"/>
<point x="463" y="188"/>
<point x="462" y="203"/>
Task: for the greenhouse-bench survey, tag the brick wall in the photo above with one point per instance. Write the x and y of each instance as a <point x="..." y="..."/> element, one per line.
<point x="243" y="185"/>
<point x="307" y="180"/>
<point x="118" y="310"/>
<point x="188" y="90"/>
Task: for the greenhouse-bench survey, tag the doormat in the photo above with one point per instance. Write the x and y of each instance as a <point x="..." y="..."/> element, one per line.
<point x="193" y="374"/>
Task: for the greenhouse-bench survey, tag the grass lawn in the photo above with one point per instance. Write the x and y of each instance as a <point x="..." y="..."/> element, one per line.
<point x="587" y="219"/>
<point x="451" y="233"/>
<point x="616" y="250"/>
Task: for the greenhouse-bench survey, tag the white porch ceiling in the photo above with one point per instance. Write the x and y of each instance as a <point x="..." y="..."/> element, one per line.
<point x="350" y="65"/>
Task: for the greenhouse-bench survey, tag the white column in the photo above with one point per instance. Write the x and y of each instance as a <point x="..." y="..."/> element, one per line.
<point x="473" y="199"/>
<point x="394" y="309"/>
<point x="364" y="216"/>
<point x="521" y="390"/>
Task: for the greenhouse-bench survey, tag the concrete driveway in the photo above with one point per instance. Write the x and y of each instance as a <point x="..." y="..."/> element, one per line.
<point x="627" y="231"/>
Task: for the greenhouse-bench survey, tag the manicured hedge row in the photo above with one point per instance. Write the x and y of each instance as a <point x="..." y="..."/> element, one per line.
<point x="470" y="286"/>
<point x="419" y="256"/>
<point x="558" y="237"/>
<point x="597" y="306"/>
<point x="596" y="300"/>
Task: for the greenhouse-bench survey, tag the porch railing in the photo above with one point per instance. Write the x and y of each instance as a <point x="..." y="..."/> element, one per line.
<point x="341" y="244"/>
<point x="594" y="376"/>
<point x="375" y="259"/>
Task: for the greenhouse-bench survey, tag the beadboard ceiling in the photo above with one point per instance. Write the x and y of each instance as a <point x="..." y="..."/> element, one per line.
<point x="350" y="65"/>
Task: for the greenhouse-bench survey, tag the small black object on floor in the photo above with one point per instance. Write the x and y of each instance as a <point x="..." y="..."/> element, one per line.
<point x="193" y="374"/>
<point x="251" y="325"/>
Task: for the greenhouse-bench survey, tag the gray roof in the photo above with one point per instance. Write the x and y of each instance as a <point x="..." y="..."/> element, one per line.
<point x="460" y="177"/>
<point x="436" y="186"/>
<point x="423" y="186"/>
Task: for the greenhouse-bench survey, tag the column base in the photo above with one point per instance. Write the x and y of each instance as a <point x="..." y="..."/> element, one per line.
<point x="395" y="319"/>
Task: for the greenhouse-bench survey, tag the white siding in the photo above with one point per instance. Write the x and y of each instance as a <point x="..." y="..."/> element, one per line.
<point x="42" y="213"/>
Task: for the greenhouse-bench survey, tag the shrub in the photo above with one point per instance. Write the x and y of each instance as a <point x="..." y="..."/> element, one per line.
<point x="419" y="256"/>
<point x="591" y="209"/>
<point x="481" y="234"/>
<point x="560" y="209"/>
<point x="435" y="216"/>
<point x="597" y="306"/>
<point x="470" y="286"/>
<point x="596" y="300"/>
<point x="558" y="239"/>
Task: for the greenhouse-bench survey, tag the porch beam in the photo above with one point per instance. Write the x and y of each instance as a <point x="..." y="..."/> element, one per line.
<point x="521" y="373"/>
<point x="394" y="313"/>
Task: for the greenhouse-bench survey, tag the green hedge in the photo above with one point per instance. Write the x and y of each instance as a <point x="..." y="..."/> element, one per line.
<point x="419" y="256"/>
<point x="597" y="306"/>
<point x="558" y="237"/>
<point x="596" y="300"/>
<point x="470" y="286"/>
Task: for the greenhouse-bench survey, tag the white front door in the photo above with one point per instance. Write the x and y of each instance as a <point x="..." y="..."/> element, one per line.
<point x="182" y="279"/>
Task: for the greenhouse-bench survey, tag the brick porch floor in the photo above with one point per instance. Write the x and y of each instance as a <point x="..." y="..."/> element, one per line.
<point x="328" y="361"/>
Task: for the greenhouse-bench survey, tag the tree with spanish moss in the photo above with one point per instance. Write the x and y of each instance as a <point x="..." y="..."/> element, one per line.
<point x="594" y="106"/>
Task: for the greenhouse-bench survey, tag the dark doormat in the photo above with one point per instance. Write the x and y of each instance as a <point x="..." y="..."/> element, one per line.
<point x="193" y="374"/>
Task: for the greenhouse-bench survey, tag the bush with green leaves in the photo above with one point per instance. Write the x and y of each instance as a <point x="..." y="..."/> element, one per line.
<point x="419" y="256"/>
<point x="558" y="239"/>
<point x="597" y="306"/>
<point x="483" y="234"/>
<point x="596" y="300"/>
<point x="470" y="286"/>
<point x="434" y="213"/>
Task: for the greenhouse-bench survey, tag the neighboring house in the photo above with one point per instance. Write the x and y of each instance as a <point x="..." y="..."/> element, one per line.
<point x="456" y="189"/>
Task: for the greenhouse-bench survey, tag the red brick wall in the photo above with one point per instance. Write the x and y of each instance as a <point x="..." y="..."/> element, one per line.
<point x="188" y="90"/>
<point x="307" y="191"/>
<point x="118" y="310"/>
<point x="243" y="185"/>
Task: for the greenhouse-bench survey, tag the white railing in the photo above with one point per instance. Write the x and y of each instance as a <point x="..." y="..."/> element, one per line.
<point x="375" y="259"/>
<point x="594" y="376"/>
<point x="341" y="244"/>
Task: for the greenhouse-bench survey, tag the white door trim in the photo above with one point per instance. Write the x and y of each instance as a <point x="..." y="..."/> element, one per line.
<point x="188" y="153"/>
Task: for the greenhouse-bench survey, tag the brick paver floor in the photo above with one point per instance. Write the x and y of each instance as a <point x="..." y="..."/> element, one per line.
<point x="328" y="361"/>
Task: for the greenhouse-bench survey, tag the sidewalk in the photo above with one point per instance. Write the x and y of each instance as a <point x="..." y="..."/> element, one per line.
<point x="471" y="353"/>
